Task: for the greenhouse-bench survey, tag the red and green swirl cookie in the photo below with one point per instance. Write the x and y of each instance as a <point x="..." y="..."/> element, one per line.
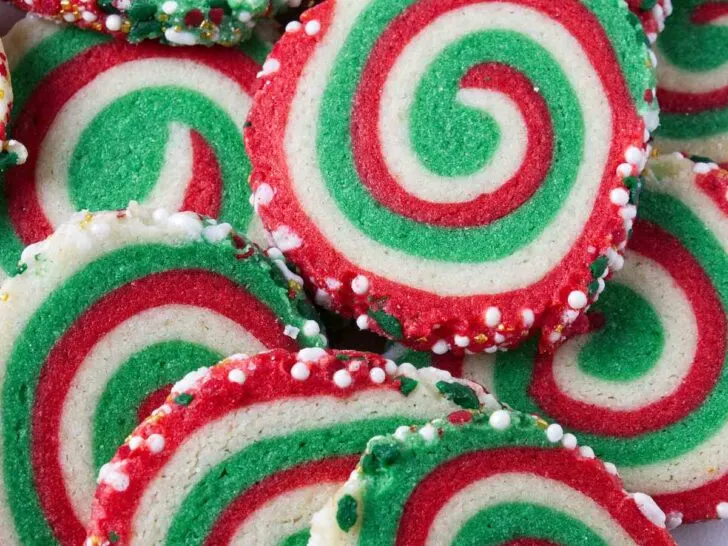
<point x="11" y="151"/>
<point x="646" y="385"/>
<point x="692" y="74"/>
<point x="497" y="478"/>
<point x="448" y="172"/>
<point x="103" y="317"/>
<point x="246" y="451"/>
<point x="107" y="122"/>
<point x="172" y="22"/>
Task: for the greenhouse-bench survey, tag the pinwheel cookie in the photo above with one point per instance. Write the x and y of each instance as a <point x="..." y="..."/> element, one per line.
<point x="645" y="385"/>
<point x="101" y="319"/>
<point x="485" y="478"/>
<point x="108" y="122"/>
<point x="245" y="452"/>
<point x="692" y="74"/>
<point x="448" y="172"/>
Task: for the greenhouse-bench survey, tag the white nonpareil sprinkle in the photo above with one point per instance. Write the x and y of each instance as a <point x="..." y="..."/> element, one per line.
<point x="285" y="238"/>
<point x="609" y="467"/>
<point x="216" y="233"/>
<point x="169" y="7"/>
<point x="649" y="509"/>
<point x="554" y="433"/>
<point x="492" y="317"/>
<point x="722" y="510"/>
<point x="586" y="452"/>
<point x="401" y="433"/>
<point x="377" y="375"/>
<point x="300" y="371"/>
<point x="360" y="285"/>
<point x="180" y="37"/>
<point x="263" y="196"/>
<point x="619" y="196"/>
<point x="311" y="354"/>
<point x="313" y="27"/>
<point x="577" y="299"/>
<point x="291" y="331"/>
<point x="528" y="317"/>
<point x="704" y="168"/>
<point x="362" y="322"/>
<point x="440" y="347"/>
<point x="461" y="341"/>
<point x="673" y="520"/>
<point x="113" y="23"/>
<point x="135" y="442"/>
<point x="112" y="475"/>
<point x="293" y="26"/>
<point x="569" y="441"/>
<point x="236" y="376"/>
<point x="244" y="16"/>
<point x="428" y="432"/>
<point x="500" y="419"/>
<point x="189" y="380"/>
<point x="155" y="443"/>
<point x="311" y="328"/>
<point x="342" y="379"/>
<point x="390" y="367"/>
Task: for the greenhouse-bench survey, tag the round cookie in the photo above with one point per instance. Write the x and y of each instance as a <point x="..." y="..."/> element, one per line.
<point x="246" y="451"/>
<point x="652" y="15"/>
<point x="692" y="75"/>
<point x="172" y="22"/>
<point x="107" y="122"/>
<point x="11" y="151"/>
<point x="645" y="385"/>
<point x="441" y="171"/>
<point x="485" y="478"/>
<point x="100" y="320"/>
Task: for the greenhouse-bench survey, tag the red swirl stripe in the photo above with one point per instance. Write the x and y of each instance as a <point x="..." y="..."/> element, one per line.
<point x="60" y="85"/>
<point x="584" y="475"/>
<point x="658" y="245"/>
<point x="212" y="292"/>
<point x="715" y="185"/>
<point x="706" y="13"/>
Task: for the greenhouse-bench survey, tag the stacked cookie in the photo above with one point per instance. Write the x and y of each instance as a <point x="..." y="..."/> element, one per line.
<point x="474" y="181"/>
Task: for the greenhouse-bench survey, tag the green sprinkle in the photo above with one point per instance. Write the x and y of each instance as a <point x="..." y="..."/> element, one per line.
<point x="593" y="288"/>
<point x="380" y="456"/>
<point x="22" y="267"/>
<point x="462" y="395"/>
<point x="599" y="266"/>
<point x="343" y="357"/>
<point x="391" y="326"/>
<point x="647" y="5"/>
<point x="407" y="385"/>
<point x="346" y="513"/>
<point x="184" y="399"/>
<point x="700" y="159"/>
<point x="113" y="537"/>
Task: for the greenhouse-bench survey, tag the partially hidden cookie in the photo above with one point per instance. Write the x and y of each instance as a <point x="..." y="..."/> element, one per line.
<point x="102" y="318"/>
<point x="645" y="385"/>
<point x="652" y="15"/>
<point x="246" y="451"/>
<point x="485" y="478"/>
<point x="172" y="22"/>
<point x="692" y="76"/>
<point x="107" y="122"/>
<point x="441" y="170"/>
<point x="11" y="151"/>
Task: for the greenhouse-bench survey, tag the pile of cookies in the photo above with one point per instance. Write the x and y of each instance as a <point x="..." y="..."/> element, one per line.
<point x="376" y="272"/>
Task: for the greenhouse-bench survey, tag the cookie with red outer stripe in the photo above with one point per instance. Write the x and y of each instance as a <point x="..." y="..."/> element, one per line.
<point x="172" y="22"/>
<point x="105" y="315"/>
<point x="442" y="172"/>
<point x="108" y="122"/>
<point x="11" y="151"/>
<point x="652" y="15"/>
<point x="485" y="478"/>
<point x="692" y="76"/>
<point x="645" y="386"/>
<point x="244" y="452"/>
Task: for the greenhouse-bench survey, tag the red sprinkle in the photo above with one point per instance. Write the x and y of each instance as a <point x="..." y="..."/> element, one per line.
<point x="194" y="18"/>
<point x="216" y="15"/>
<point x="460" y="417"/>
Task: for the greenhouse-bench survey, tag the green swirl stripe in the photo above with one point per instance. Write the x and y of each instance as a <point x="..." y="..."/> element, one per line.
<point x="513" y="371"/>
<point x="465" y="145"/>
<point x="145" y="372"/>
<point x="510" y="521"/>
<point x="64" y="306"/>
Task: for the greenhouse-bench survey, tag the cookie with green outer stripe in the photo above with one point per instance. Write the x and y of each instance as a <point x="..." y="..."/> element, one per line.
<point x="486" y="478"/>
<point x="454" y="173"/>
<point x="645" y="384"/>
<point x="11" y="151"/>
<point x="172" y="22"/>
<point x="244" y="452"/>
<point x="108" y="122"/>
<point x="103" y="317"/>
<point x="692" y="75"/>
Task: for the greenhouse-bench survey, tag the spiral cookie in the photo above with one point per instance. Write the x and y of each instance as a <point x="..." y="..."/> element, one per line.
<point x="645" y="387"/>
<point x="479" y="478"/>
<point x="104" y="316"/>
<point x="412" y="156"/>
<point x="244" y="452"/>
<point x="11" y="151"/>
<point x="693" y="80"/>
<point x="107" y="122"/>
